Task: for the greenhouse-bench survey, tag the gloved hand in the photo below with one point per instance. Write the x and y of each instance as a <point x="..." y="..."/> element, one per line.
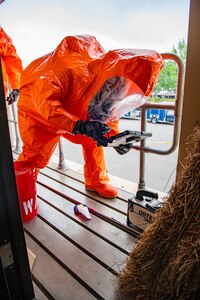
<point x="123" y="149"/>
<point x="93" y="129"/>
<point x="13" y="96"/>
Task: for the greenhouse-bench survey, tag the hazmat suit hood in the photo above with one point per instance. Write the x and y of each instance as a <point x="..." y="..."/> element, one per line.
<point x="72" y="82"/>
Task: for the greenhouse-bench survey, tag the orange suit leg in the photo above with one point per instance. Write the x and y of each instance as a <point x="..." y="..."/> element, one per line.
<point x="95" y="172"/>
<point x="38" y="143"/>
<point x="94" y="161"/>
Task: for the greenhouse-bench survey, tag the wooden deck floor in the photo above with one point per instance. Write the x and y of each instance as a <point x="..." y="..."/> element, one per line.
<point x="76" y="259"/>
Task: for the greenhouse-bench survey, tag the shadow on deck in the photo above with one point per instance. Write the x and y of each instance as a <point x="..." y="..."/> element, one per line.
<point x="76" y="259"/>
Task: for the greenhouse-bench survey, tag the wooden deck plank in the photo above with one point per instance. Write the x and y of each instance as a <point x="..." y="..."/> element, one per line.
<point x="90" y="243"/>
<point x="38" y="293"/>
<point x="77" y="259"/>
<point x="118" y="204"/>
<point x="94" y="275"/>
<point x="58" y="283"/>
<point x="123" y="194"/>
<point x="104" y="208"/>
<point x="102" y="228"/>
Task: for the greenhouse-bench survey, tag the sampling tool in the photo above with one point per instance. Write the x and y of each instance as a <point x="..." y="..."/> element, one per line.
<point x="123" y="138"/>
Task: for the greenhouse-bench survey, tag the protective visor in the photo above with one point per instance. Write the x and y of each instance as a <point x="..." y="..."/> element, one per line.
<point x="116" y="97"/>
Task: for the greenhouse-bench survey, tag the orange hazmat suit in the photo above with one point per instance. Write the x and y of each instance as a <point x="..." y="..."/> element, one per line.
<point x="57" y="89"/>
<point x="11" y="63"/>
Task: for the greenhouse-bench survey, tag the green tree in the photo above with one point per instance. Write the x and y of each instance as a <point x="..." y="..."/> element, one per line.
<point x="181" y="50"/>
<point x="168" y="76"/>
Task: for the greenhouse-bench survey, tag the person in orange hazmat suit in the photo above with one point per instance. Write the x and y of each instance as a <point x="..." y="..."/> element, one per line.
<point x="11" y="67"/>
<point x="78" y="92"/>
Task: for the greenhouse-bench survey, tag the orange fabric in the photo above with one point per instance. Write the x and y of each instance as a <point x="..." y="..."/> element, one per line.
<point x="57" y="88"/>
<point x="11" y="63"/>
<point x="38" y="150"/>
<point x="94" y="166"/>
<point x="106" y="190"/>
<point x="94" y="162"/>
<point x="62" y="83"/>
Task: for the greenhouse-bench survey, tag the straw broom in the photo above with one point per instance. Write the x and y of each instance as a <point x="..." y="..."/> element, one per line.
<point x="165" y="264"/>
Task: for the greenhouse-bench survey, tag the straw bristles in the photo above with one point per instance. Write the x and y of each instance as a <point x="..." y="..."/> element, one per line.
<point x="165" y="264"/>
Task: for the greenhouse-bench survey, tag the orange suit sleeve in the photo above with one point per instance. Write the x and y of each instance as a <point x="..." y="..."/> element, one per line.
<point x="12" y="62"/>
<point x="48" y="95"/>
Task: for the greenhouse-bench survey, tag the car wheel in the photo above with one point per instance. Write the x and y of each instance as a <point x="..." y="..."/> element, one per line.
<point x="154" y="120"/>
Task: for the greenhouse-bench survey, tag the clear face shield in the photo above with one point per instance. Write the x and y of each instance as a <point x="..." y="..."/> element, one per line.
<point x="116" y="97"/>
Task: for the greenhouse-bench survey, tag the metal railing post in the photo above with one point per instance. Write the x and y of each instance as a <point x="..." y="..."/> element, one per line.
<point x="177" y="119"/>
<point x="62" y="164"/>
<point x="17" y="135"/>
<point x="141" y="182"/>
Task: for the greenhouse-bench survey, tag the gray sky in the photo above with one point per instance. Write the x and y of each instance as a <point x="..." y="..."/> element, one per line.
<point x="37" y="27"/>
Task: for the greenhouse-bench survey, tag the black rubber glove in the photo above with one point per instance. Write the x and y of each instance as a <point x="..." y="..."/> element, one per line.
<point x="93" y="129"/>
<point x="13" y="96"/>
<point x="123" y="149"/>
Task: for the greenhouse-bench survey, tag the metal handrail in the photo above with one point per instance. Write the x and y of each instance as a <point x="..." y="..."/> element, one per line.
<point x="177" y="119"/>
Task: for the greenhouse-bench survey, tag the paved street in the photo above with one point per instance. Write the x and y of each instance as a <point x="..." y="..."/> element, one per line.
<point x="160" y="169"/>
